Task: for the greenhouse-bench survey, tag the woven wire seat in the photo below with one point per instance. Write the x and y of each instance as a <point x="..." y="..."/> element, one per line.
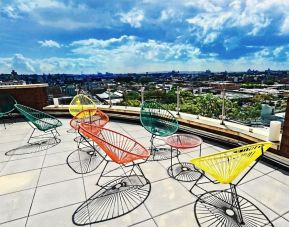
<point x="158" y="121"/>
<point x="39" y="120"/>
<point x="90" y="116"/>
<point x="227" y="165"/>
<point x="127" y="190"/>
<point x="79" y="103"/>
<point x="227" y="208"/>
<point x="7" y="103"/>
<point x="88" y="158"/>
<point x="120" y="148"/>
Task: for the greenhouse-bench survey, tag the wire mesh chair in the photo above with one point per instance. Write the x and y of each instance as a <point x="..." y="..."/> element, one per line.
<point x="227" y="208"/>
<point x="79" y="103"/>
<point x="41" y="121"/>
<point x="7" y="103"/>
<point x="160" y="122"/>
<point x="88" y="159"/>
<point x="129" y="187"/>
<point x="90" y="116"/>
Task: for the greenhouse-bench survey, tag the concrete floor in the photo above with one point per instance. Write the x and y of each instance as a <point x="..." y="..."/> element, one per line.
<point x="38" y="188"/>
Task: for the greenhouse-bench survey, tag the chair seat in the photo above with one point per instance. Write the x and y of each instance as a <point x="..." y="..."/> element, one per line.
<point x="226" y="166"/>
<point x="47" y="123"/>
<point x="120" y="148"/>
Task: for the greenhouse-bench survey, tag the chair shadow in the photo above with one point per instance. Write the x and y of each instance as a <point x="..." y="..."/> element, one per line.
<point x="84" y="160"/>
<point x="35" y="147"/>
<point x="115" y="199"/>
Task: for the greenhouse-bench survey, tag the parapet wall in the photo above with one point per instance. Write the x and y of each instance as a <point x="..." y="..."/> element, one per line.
<point x="33" y="95"/>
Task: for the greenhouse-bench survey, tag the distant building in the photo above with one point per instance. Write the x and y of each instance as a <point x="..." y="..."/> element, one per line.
<point x="224" y="85"/>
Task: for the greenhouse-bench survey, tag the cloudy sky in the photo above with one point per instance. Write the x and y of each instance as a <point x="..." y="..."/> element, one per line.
<point x="89" y="36"/>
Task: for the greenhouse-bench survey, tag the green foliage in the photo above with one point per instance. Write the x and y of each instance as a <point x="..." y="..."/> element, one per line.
<point x="207" y="105"/>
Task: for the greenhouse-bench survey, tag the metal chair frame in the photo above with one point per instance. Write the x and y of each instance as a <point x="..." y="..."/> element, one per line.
<point x="235" y="203"/>
<point x="125" y="192"/>
<point x="35" y="120"/>
<point x="153" y="112"/>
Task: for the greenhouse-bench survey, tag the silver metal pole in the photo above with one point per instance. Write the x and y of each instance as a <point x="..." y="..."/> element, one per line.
<point x="178" y="100"/>
<point x="142" y="94"/>
<point x="109" y="96"/>
<point x="223" y="106"/>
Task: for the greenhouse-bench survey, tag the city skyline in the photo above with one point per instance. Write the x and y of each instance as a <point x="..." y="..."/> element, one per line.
<point x="42" y="36"/>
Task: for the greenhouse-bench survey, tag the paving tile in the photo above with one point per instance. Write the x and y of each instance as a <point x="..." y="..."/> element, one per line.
<point x="154" y="171"/>
<point x="181" y="217"/>
<point x="270" y="192"/>
<point x="166" y="195"/>
<point x="263" y="207"/>
<point x="281" y="222"/>
<point x="56" y="174"/>
<point x="280" y="175"/>
<point x="62" y="147"/>
<point x="18" y="181"/>
<point x="61" y="217"/>
<point x="22" y="165"/>
<point x="58" y="195"/>
<point x="56" y="159"/>
<point x="286" y="216"/>
<point x="135" y="216"/>
<point x="17" y="223"/>
<point x="15" y="205"/>
<point x="264" y="167"/>
<point x="148" y="223"/>
<point x="90" y="184"/>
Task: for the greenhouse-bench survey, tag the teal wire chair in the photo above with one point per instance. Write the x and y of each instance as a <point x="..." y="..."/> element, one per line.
<point x="41" y="121"/>
<point x="160" y="122"/>
<point x="7" y="103"/>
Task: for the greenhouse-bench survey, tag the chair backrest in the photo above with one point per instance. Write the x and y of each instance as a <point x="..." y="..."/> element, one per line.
<point x="79" y="103"/>
<point x="158" y="120"/>
<point x="225" y="166"/>
<point x="7" y="103"/>
<point x="90" y="116"/>
<point x="39" y="119"/>
<point x="120" y="148"/>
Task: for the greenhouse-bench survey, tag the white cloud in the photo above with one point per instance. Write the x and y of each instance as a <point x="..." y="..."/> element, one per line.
<point x="10" y="12"/>
<point x="49" y="43"/>
<point x="133" y="17"/>
<point x="129" y="48"/>
<point x="284" y="29"/>
<point x="22" y="64"/>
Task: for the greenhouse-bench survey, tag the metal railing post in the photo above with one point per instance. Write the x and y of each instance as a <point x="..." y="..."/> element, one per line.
<point x="142" y="94"/>
<point x="178" y="100"/>
<point x="223" y="107"/>
<point x="109" y="96"/>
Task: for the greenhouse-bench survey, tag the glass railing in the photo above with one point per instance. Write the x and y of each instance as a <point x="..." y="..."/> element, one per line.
<point x="254" y="110"/>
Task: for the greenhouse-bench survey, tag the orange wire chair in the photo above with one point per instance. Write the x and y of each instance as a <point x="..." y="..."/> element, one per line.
<point x="91" y="116"/>
<point x="89" y="160"/>
<point x="129" y="187"/>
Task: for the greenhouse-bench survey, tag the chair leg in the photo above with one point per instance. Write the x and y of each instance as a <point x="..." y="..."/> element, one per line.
<point x="101" y="174"/>
<point x="4" y="123"/>
<point x="153" y="147"/>
<point x="31" y="136"/>
<point x="236" y="203"/>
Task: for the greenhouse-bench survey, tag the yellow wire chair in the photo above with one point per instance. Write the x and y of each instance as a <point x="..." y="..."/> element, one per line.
<point x="226" y="207"/>
<point x="79" y="103"/>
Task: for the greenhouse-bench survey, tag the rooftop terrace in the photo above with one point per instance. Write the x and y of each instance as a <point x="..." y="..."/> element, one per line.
<point x="38" y="188"/>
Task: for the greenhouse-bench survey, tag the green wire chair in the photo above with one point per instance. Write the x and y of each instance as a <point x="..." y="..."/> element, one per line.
<point x="41" y="121"/>
<point x="157" y="120"/>
<point x="6" y="106"/>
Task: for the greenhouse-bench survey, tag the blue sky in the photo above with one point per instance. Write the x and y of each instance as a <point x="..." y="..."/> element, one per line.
<point x="89" y="36"/>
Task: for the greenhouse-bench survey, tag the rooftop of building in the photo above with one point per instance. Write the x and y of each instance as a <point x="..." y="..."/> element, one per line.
<point x="38" y="188"/>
